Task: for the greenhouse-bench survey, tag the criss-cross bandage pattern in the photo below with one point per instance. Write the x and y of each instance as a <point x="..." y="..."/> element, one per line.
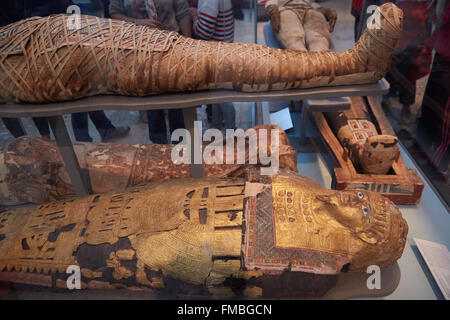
<point x="48" y="60"/>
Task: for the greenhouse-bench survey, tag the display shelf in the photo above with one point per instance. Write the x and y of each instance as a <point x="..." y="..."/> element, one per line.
<point x="348" y="286"/>
<point x="185" y="100"/>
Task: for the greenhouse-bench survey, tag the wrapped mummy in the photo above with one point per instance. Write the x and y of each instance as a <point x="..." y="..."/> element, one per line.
<point x="301" y="24"/>
<point x="55" y="59"/>
<point x="263" y="236"/>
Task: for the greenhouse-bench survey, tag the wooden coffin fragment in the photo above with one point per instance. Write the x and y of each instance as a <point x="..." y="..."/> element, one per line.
<point x="402" y="185"/>
<point x="32" y="170"/>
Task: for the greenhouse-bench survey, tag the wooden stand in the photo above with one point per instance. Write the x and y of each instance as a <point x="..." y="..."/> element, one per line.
<point x="403" y="186"/>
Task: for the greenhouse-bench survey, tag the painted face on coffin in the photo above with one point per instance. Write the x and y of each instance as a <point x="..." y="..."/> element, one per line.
<point x="24" y="150"/>
<point x="371" y="226"/>
<point x="351" y="209"/>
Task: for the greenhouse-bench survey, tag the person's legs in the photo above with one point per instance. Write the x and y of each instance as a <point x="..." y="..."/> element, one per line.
<point x="436" y="94"/>
<point x="101" y="122"/>
<point x="228" y="114"/>
<point x="42" y="125"/>
<point x="386" y="103"/>
<point x="317" y="31"/>
<point x="440" y="156"/>
<point x="157" y="126"/>
<point x="80" y="127"/>
<point x="105" y="128"/>
<point x="407" y="97"/>
<point x="14" y="126"/>
<point x="217" y="116"/>
<point x="356" y="28"/>
<point x="176" y="120"/>
<point x="291" y="34"/>
<point x="209" y="113"/>
<point x="143" y="116"/>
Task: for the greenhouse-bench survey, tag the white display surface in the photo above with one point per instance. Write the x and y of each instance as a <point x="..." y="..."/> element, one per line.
<point x="282" y="118"/>
<point x="429" y="220"/>
<point x="437" y="257"/>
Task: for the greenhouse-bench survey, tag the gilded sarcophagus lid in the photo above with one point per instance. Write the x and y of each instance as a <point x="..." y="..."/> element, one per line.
<point x="214" y="237"/>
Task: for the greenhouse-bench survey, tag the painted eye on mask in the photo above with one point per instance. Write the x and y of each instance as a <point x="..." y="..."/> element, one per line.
<point x="360" y="195"/>
<point x="365" y="211"/>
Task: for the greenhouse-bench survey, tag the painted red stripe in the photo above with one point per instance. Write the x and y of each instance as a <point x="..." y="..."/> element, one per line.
<point x="230" y="38"/>
<point x="228" y="20"/>
<point x="224" y="30"/>
<point x="207" y="15"/>
<point x="211" y="27"/>
<point x="202" y="34"/>
<point x="226" y="11"/>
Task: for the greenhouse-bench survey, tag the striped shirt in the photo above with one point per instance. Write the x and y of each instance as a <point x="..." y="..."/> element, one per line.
<point x="215" y="20"/>
<point x="193" y="3"/>
<point x="282" y="3"/>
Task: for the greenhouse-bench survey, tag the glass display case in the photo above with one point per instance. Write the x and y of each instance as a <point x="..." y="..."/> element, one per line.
<point x="134" y="150"/>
